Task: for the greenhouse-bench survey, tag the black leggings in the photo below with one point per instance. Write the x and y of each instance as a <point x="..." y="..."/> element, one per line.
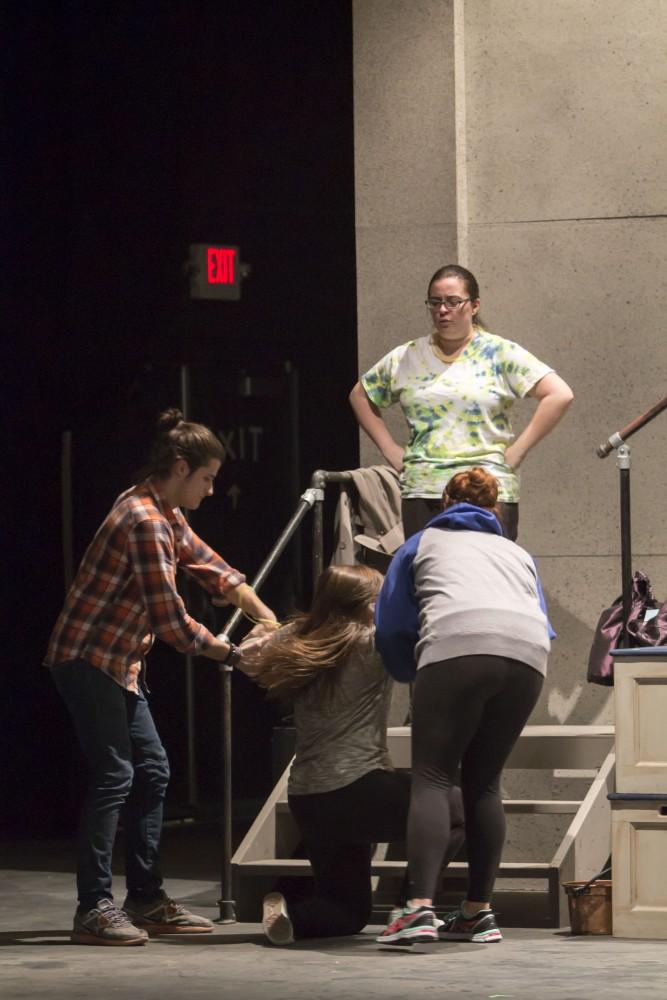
<point x="467" y="712"/>
<point x="339" y="829"/>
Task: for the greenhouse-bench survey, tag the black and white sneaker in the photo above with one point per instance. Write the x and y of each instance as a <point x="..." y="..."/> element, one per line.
<point x="410" y="927"/>
<point x="482" y="928"/>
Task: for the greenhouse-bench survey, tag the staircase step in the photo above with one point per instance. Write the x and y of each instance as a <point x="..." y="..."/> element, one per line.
<point x="301" y="866"/>
<point x="538" y="747"/>
<point x="560" y="807"/>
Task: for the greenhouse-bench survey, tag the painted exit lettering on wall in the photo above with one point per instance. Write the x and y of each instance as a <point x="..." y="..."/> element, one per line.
<point x="241" y="443"/>
<point x="234" y="492"/>
<point x="220" y="265"/>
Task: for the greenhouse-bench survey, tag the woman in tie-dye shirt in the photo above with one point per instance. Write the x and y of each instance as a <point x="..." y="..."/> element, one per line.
<point x="456" y="388"/>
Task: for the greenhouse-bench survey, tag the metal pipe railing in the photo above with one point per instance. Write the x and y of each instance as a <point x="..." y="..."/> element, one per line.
<point x="617" y="442"/>
<point x="319" y="480"/>
<point x="313" y="498"/>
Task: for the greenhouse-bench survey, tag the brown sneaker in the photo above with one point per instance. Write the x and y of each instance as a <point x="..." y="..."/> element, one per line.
<point x="165" y="916"/>
<point x="106" y="924"/>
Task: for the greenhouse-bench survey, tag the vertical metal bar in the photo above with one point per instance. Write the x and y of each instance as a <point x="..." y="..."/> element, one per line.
<point x="66" y="504"/>
<point x="317" y="484"/>
<point x="623" y="461"/>
<point x="226" y="904"/>
<point x="190" y="722"/>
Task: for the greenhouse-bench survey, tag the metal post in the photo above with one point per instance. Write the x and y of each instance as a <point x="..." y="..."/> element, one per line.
<point x="623" y="465"/>
<point x="317" y="483"/>
<point x="226" y="903"/>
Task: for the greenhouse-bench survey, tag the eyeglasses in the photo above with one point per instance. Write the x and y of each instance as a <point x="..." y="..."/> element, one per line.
<point x="449" y="302"/>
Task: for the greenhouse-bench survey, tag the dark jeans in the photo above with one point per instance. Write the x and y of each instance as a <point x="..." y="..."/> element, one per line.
<point x="339" y="830"/>
<point x="467" y="712"/>
<point x="128" y="769"/>
<point x="416" y="512"/>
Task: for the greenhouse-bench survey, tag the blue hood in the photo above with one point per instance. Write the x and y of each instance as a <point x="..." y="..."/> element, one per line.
<point x="467" y="517"/>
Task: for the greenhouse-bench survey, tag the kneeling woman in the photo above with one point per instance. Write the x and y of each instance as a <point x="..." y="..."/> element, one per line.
<point x="343" y="791"/>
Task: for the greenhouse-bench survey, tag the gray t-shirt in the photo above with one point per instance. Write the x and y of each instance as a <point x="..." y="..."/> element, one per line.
<point x="341" y="730"/>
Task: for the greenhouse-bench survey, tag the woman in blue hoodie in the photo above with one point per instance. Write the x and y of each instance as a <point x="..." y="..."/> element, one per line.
<point x="461" y="612"/>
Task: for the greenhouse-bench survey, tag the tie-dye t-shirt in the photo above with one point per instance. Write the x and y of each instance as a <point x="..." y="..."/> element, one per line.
<point x="458" y="413"/>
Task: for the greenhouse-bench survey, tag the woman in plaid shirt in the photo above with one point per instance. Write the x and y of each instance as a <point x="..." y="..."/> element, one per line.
<point x="123" y="596"/>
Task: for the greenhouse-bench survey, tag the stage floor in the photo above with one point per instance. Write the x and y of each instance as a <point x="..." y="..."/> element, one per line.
<point x="236" y="961"/>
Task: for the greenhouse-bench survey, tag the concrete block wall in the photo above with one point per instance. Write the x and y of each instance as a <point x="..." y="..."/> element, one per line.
<point x="528" y="141"/>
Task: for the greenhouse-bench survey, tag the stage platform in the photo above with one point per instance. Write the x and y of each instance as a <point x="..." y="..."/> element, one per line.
<point x="237" y="963"/>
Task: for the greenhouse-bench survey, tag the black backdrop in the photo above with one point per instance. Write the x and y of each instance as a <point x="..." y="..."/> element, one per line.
<point x="134" y="130"/>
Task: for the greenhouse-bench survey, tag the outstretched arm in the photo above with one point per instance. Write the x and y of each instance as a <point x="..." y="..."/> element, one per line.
<point x="554" y="396"/>
<point x="245" y="598"/>
<point x="370" y="419"/>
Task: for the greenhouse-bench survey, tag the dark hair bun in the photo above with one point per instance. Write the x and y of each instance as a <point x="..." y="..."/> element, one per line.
<point x="476" y="486"/>
<point x="169" y="419"/>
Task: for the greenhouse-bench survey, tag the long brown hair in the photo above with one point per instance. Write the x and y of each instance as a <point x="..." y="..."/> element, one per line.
<point x="321" y="638"/>
<point x="475" y="486"/>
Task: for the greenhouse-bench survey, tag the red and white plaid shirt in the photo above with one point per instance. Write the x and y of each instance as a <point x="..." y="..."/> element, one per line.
<point x="124" y="593"/>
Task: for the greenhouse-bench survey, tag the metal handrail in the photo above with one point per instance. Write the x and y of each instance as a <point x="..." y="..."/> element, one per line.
<point x="318" y="482"/>
<point x="312" y="498"/>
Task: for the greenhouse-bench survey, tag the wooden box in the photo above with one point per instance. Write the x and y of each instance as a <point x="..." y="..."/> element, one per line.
<point x="640" y="694"/>
<point x="639" y="866"/>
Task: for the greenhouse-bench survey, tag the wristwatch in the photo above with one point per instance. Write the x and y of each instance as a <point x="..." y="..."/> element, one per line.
<point x="233" y="657"/>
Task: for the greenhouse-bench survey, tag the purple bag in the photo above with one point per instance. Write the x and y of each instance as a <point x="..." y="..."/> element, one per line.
<point x="609" y="630"/>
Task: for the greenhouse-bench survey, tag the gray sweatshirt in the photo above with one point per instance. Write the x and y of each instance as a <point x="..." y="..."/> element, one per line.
<point x="477" y="593"/>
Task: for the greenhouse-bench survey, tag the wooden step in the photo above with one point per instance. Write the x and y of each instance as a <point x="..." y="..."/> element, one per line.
<point x="561" y="807"/>
<point x="539" y="747"/>
<point x="457" y="869"/>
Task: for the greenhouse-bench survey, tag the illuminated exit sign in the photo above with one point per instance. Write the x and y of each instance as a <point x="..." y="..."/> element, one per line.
<point x="215" y="271"/>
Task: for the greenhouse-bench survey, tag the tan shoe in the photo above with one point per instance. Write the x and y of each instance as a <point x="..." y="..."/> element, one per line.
<point x="165" y="916"/>
<point x="106" y="924"/>
<point x="276" y="923"/>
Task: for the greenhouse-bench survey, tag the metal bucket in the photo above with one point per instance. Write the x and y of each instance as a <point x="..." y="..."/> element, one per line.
<point x="590" y="907"/>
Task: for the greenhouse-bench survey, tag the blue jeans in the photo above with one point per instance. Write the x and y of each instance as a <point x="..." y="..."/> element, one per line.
<point x="129" y="770"/>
